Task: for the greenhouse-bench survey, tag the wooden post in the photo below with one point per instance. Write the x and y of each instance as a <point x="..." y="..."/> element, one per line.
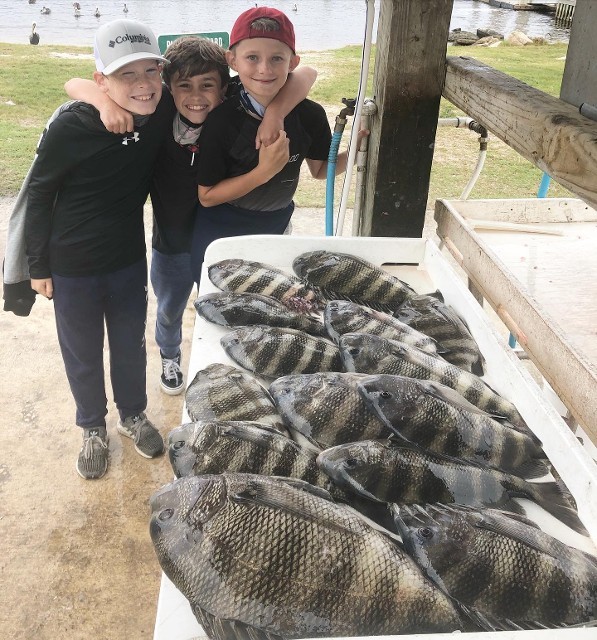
<point x="408" y="80"/>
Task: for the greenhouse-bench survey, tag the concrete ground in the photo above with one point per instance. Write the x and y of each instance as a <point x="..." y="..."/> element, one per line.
<point x="76" y="559"/>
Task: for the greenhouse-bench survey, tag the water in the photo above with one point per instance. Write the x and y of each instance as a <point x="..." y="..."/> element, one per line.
<point x="319" y="24"/>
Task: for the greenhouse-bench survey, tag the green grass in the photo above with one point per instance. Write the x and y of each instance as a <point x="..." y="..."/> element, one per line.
<point x="32" y="79"/>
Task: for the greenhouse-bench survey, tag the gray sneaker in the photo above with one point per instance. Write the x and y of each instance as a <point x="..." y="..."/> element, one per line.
<point x="92" y="462"/>
<point x="148" y="441"/>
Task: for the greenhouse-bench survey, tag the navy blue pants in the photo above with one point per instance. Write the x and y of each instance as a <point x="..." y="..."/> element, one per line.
<point x="82" y="306"/>
<point x="226" y="220"/>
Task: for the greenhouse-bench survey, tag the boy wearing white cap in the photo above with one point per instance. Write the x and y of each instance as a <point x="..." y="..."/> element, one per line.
<point x="85" y="239"/>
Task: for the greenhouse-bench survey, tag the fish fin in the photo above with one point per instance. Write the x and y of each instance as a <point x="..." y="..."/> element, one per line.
<point x="505" y="525"/>
<point x="555" y="499"/>
<point x="534" y="468"/>
<point x="226" y="629"/>
<point x="303" y="485"/>
<point x="437" y="294"/>
<point x="477" y="366"/>
<point x="451" y="396"/>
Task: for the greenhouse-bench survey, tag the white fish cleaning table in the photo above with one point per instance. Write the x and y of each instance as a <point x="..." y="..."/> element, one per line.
<point x="421" y="264"/>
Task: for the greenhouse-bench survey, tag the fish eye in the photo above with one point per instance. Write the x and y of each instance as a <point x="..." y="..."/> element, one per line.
<point x="179" y="444"/>
<point x="354" y="351"/>
<point x="166" y="514"/>
<point x="385" y="394"/>
<point x="426" y="533"/>
<point x="351" y="463"/>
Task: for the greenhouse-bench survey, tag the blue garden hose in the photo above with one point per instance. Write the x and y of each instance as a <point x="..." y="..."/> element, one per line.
<point x="332" y="161"/>
<point x="330" y="181"/>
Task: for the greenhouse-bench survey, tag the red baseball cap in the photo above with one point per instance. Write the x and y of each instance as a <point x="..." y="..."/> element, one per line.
<point x="242" y="27"/>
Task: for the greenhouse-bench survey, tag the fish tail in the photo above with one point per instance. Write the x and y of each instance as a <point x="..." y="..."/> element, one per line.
<point x="556" y="499"/>
<point x="532" y="469"/>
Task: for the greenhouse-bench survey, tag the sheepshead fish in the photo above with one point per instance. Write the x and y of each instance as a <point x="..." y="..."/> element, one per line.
<point x="501" y="566"/>
<point x="437" y="418"/>
<point x="271" y="352"/>
<point x="340" y="276"/>
<point x="244" y="309"/>
<point x="241" y="447"/>
<point x="435" y="318"/>
<point x="264" y="558"/>
<point x="325" y="409"/>
<point x="344" y="316"/>
<point x="371" y="354"/>
<point x="223" y="392"/>
<point x="388" y="471"/>
<point x="246" y="276"/>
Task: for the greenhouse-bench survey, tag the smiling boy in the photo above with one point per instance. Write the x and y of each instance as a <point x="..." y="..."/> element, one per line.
<point x="237" y="196"/>
<point x="198" y="78"/>
<point x="85" y="240"/>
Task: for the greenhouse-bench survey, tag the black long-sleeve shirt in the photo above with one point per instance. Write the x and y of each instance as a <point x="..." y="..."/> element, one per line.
<point x="87" y="191"/>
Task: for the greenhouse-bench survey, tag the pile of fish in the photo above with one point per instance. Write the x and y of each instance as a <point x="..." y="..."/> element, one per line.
<point x="356" y="476"/>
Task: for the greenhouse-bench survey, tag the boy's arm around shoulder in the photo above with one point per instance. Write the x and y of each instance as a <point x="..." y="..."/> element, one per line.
<point x="115" y="118"/>
<point x="294" y="91"/>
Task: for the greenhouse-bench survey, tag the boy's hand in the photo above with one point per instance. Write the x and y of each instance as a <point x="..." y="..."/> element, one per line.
<point x="269" y="130"/>
<point x="116" y="119"/>
<point x="43" y="286"/>
<point x="273" y="158"/>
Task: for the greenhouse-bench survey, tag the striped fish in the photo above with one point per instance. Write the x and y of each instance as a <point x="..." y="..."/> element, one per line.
<point x="439" y="419"/>
<point x="223" y="392"/>
<point x="390" y="472"/>
<point x="501" y="567"/>
<point x="244" y="309"/>
<point x="325" y="409"/>
<point x="438" y="320"/>
<point x="273" y="352"/>
<point x="245" y="276"/>
<point x="344" y="316"/>
<point x="341" y="276"/>
<point x="371" y="354"/>
<point x="265" y="558"/>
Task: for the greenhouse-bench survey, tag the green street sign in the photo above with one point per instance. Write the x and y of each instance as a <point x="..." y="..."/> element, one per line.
<point x="219" y="37"/>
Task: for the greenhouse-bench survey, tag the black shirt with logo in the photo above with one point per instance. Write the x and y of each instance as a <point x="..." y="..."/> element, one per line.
<point x="87" y="191"/>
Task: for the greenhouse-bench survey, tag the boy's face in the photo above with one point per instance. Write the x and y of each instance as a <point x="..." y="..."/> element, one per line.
<point x="263" y="65"/>
<point x="196" y="96"/>
<point x="136" y="87"/>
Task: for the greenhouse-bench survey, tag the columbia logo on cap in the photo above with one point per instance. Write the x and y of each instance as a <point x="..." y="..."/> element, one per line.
<point x="123" y="41"/>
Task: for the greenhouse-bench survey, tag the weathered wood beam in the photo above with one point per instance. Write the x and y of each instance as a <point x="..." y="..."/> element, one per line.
<point x="543" y="129"/>
<point x="408" y="80"/>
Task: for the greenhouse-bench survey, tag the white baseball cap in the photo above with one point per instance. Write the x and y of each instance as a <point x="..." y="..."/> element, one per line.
<point x="123" y="41"/>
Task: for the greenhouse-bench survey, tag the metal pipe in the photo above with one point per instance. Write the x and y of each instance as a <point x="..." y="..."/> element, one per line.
<point x="369" y="110"/>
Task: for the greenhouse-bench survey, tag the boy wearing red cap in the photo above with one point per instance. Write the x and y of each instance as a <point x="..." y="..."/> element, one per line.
<point x="237" y="196"/>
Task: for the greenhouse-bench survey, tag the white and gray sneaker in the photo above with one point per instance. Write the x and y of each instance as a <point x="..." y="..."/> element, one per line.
<point x="171" y="381"/>
<point x="148" y="441"/>
<point x="92" y="462"/>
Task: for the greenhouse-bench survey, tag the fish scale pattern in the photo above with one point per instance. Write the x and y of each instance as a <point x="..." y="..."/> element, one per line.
<point x="245" y="276"/>
<point x="343" y="276"/>
<point x="494" y="564"/>
<point x="440" y="420"/>
<point x="326" y="408"/>
<point x="373" y="354"/>
<point x="223" y="392"/>
<point x="333" y="575"/>
<point x="433" y="317"/>
<point x="343" y="316"/>
<point x="272" y="352"/>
